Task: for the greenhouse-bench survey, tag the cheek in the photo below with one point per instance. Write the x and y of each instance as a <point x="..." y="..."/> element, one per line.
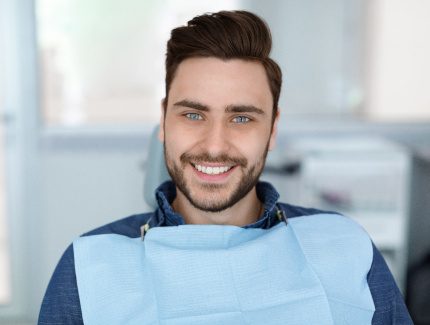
<point x="252" y="147"/>
<point x="172" y="147"/>
<point x="177" y="140"/>
<point x="258" y="153"/>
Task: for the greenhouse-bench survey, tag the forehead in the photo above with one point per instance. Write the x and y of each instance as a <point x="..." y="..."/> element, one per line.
<point x="219" y="82"/>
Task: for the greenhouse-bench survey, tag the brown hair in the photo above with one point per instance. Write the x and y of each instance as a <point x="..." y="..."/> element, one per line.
<point x="225" y="35"/>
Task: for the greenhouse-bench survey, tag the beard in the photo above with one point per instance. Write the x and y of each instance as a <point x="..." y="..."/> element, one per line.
<point x="213" y="201"/>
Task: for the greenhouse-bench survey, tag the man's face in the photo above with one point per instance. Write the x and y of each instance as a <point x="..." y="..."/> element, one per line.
<point x="217" y="130"/>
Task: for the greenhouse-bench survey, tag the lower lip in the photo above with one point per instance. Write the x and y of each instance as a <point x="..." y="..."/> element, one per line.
<point x="213" y="178"/>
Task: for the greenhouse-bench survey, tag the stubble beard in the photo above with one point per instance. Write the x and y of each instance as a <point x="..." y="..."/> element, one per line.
<point x="249" y="178"/>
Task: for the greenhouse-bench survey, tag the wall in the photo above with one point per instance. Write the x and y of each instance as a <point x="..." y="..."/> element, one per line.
<point x="80" y="190"/>
<point x="397" y="67"/>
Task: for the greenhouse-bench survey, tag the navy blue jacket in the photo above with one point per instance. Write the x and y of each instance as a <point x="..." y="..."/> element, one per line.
<point x="61" y="303"/>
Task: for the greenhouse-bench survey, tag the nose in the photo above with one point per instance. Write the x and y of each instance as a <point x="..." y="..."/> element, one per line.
<point x="215" y="140"/>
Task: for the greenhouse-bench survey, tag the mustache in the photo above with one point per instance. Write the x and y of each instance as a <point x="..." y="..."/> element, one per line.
<point x="206" y="157"/>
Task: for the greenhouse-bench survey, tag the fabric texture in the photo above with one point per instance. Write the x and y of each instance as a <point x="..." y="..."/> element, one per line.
<point x="194" y="274"/>
<point x="62" y="304"/>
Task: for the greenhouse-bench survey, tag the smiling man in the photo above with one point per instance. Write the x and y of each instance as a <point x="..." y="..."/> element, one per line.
<point x="222" y="112"/>
<point x="220" y="248"/>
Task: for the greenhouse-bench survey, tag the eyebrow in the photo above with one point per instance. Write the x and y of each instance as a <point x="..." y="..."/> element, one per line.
<point x="228" y="109"/>
<point x="244" y="109"/>
<point x="192" y="104"/>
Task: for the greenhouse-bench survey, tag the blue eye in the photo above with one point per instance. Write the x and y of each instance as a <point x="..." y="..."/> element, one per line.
<point x="241" y="119"/>
<point x="194" y="116"/>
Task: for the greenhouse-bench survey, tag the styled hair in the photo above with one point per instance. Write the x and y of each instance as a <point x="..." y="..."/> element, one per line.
<point x="224" y="35"/>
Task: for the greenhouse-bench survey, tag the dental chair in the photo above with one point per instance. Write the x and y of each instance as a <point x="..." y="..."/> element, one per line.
<point x="155" y="169"/>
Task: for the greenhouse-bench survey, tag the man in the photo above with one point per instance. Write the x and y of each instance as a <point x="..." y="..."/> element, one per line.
<point x="220" y="249"/>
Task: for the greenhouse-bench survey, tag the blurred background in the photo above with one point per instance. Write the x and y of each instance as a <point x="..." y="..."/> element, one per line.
<point x="81" y="83"/>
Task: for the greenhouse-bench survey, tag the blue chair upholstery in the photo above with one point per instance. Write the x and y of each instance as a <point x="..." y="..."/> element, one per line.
<point x="155" y="169"/>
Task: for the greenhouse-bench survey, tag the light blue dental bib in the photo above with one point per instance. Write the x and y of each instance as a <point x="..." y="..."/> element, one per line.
<point x="313" y="271"/>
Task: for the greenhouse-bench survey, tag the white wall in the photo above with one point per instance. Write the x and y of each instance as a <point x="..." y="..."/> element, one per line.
<point x="80" y="189"/>
<point x="317" y="44"/>
<point x="398" y="65"/>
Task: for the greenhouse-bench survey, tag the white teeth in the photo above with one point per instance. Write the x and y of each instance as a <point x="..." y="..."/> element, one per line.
<point x="212" y="170"/>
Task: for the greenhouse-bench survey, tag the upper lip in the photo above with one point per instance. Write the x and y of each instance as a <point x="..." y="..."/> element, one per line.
<point x="211" y="164"/>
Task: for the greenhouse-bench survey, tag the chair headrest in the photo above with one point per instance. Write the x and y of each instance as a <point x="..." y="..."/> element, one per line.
<point x="155" y="169"/>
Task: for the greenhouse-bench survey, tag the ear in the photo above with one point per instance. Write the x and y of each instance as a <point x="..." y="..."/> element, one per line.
<point x="162" y="118"/>
<point x="272" y="141"/>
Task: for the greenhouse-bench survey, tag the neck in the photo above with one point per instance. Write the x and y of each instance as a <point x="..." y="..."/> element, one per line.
<point x="244" y="212"/>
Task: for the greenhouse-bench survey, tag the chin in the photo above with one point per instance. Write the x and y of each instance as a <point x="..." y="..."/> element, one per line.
<point x="207" y="200"/>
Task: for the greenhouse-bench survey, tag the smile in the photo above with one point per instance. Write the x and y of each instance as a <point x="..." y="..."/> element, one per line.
<point x="212" y="170"/>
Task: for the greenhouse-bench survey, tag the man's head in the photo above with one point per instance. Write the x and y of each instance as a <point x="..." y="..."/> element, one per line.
<point x="224" y="35"/>
<point x="220" y="111"/>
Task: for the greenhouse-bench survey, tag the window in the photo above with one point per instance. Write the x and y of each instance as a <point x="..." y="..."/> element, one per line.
<point x="102" y="61"/>
<point x="5" y="283"/>
<point x="4" y="248"/>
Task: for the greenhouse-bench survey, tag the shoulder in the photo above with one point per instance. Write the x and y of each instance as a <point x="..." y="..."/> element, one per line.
<point x="316" y="219"/>
<point x="339" y="239"/>
<point x="349" y="244"/>
<point x="389" y="303"/>
<point x="293" y="211"/>
<point x="128" y="226"/>
<point x="327" y="231"/>
<point x="61" y="303"/>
